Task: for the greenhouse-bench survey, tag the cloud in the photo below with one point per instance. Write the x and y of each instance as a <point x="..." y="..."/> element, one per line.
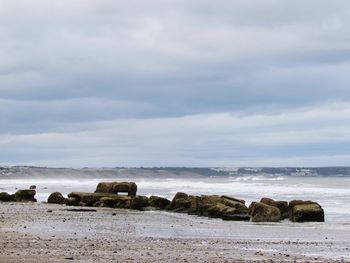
<point x="70" y="67"/>
<point x="300" y="137"/>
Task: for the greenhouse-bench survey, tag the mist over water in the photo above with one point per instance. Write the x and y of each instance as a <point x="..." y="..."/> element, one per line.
<point x="333" y="193"/>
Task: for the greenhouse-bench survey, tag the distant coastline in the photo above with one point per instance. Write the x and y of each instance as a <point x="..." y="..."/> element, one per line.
<point x="7" y="172"/>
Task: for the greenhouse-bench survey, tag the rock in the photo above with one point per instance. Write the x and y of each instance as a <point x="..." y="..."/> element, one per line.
<point x="179" y="195"/>
<point x="265" y="213"/>
<point x="121" y="201"/>
<point x="218" y="207"/>
<point x="305" y="211"/>
<point x="117" y="187"/>
<point x="110" y="200"/>
<point x="33" y="187"/>
<point x="297" y="202"/>
<point x="233" y="199"/>
<point x="25" y="195"/>
<point x="250" y="208"/>
<point x="56" y="198"/>
<point x="159" y="202"/>
<point x="5" y="197"/>
<point x="281" y="205"/>
<point x="180" y="203"/>
<point x="139" y="202"/>
<point x="227" y="213"/>
<point x="72" y="201"/>
<point x="89" y="199"/>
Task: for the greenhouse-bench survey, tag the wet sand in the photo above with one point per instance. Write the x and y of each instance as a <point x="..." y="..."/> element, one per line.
<point x="37" y="232"/>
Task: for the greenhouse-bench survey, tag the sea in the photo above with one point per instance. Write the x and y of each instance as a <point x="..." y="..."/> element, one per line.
<point x="333" y="193"/>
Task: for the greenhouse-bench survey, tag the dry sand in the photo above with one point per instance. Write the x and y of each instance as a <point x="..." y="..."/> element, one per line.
<point x="37" y="232"/>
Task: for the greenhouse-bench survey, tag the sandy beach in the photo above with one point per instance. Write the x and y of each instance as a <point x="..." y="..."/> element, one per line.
<point x="39" y="232"/>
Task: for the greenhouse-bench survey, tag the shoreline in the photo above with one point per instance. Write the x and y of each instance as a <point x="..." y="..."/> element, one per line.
<point x="30" y="231"/>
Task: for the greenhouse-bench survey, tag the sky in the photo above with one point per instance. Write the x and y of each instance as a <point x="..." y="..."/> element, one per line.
<point x="86" y="83"/>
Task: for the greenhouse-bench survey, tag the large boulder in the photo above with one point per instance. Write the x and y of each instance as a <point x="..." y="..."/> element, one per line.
<point x="219" y="207"/>
<point x="72" y="201"/>
<point x="56" y="198"/>
<point x="109" y="200"/>
<point x="250" y="208"/>
<point x="89" y="199"/>
<point x="281" y="205"/>
<point x="139" y="202"/>
<point x="265" y="213"/>
<point x="117" y="187"/>
<point x="25" y="195"/>
<point x="159" y="202"/>
<point x="120" y="201"/>
<point x="306" y="211"/>
<point x="233" y="199"/>
<point x="5" y="197"/>
<point x="181" y="202"/>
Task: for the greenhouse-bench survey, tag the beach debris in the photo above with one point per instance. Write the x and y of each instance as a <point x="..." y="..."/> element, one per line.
<point x="159" y="202"/>
<point x="281" y="205"/>
<point x="305" y="211"/>
<point x="56" y="198"/>
<point x="261" y="212"/>
<point x="117" y="187"/>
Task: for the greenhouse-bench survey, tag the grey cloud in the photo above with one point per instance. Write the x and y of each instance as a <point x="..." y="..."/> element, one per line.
<point x="303" y="137"/>
<point x="68" y="65"/>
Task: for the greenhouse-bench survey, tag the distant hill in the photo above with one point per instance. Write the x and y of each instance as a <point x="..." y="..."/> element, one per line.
<point x="7" y="172"/>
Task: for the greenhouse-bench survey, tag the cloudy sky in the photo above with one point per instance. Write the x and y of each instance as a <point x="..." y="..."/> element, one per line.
<point x="174" y="83"/>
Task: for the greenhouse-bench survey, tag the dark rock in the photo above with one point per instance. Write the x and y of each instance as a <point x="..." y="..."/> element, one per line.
<point x="139" y="202"/>
<point x="297" y="202"/>
<point x="306" y="211"/>
<point x="265" y="213"/>
<point x="56" y="198"/>
<point x="33" y="187"/>
<point x="117" y="187"/>
<point x="89" y="199"/>
<point x="159" y="202"/>
<point x="121" y="201"/>
<point x="281" y="205"/>
<point x="5" y="197"/>
<point x="233" y="199"/>
<point x="72" y="201"/>
<point x="218" y="207"/>
<point x="250" y="208"/>
<point x="227" y="213"/>
<point x="180" y="195"/>
<point x="25" y="195"/>
<point x="180" y="203"/>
